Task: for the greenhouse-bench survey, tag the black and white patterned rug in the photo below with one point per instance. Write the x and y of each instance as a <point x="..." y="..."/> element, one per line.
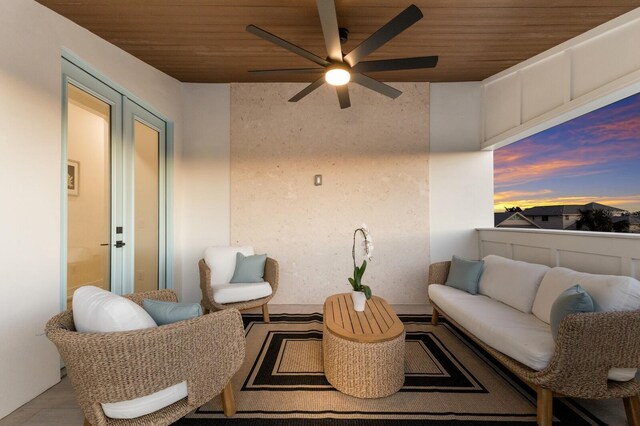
<point x="448" y="381"/>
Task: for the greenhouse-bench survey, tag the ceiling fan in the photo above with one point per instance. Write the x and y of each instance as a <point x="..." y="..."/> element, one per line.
<point x="338" y="68"/>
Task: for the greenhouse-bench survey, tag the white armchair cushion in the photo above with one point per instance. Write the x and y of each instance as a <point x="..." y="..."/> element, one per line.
<point x="240" y="292"/>
<point x="222" y="262"/>
<point x="96" y="310"/>
<point x="146" y="404"/>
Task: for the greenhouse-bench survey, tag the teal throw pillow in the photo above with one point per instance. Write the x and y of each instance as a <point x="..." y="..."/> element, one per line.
<point x="170" y="312"/>
<point x="571" y="301"/>
<point x="465" y="274"/>
<point x="249" y="269"/>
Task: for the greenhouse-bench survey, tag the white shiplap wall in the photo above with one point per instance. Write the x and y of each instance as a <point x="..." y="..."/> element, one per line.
<point x="587" y="72"/>
<point x="593" y="252"/>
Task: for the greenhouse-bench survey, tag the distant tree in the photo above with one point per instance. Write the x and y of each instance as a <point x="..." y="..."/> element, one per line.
<point x="595" y="220"/>
<point x="636" y="213"/>
<point x="621" y="226"/>
<point x="512" y="209"/>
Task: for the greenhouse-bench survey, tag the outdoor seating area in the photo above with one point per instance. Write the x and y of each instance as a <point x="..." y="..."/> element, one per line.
<point x="320" y="212"/>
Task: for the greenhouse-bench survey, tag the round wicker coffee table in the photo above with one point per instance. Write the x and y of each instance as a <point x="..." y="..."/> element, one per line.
<point x="363" y="352"/>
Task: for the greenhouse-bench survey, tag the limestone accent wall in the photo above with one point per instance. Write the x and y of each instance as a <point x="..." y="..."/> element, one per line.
<point x="373" y="158"/>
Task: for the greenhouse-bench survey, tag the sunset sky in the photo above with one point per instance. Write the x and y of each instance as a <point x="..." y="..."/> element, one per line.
<point x="594" y="157"/>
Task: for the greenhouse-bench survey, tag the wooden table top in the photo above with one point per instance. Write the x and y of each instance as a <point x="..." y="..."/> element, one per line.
<point x="378" y="322"/>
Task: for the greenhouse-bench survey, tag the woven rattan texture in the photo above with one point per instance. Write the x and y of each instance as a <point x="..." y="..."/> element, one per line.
<point x="111" y="367"/>
<point x="364" y="370"/>
<point x="587" y="346"/>
<point x="271" y="275"/>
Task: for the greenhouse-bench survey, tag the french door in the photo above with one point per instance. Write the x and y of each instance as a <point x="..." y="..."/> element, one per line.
<point x="114" y="206"/>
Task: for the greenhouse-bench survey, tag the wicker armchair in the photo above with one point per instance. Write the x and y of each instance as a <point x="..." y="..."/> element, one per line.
<point x="111" y="367"/>
<point x="588" y="345"/>
<point x="271" y="275"/>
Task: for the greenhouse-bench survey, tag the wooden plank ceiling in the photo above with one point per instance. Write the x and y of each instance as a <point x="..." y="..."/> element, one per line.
<point x="206" y="41"/>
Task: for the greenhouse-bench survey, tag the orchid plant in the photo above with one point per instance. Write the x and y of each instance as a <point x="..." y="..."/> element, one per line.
<point x="358" y="271"/>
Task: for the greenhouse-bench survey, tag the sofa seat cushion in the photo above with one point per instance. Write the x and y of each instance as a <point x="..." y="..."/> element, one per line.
<point x="520" y="336"/>
<point x="609" y="292"/>
<point x="222" y="261"/>
<point x="240" y="292"/>
<point x="144" y="405"/>
<point x="511" y="281"/>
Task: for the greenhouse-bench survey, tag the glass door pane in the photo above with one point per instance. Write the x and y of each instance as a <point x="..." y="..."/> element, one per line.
<point x="146" y="148"/>
<point x="88" y="190"/>
<point x="115" y="206"/>
<point x="145" y="158"/>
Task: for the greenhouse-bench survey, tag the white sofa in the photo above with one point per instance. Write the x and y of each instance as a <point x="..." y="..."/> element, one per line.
<point x="595" y="355"/>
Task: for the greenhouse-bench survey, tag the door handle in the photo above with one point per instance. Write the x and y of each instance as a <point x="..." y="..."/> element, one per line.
<point x="104" y="245"/>
<point x="119" y="244"/>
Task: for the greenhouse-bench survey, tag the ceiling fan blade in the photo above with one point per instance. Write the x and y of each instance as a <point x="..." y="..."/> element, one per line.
<point x="372" y="84"/>
<point x="289" y="46"/>
<point x="404" y="20"/>
<point x="343" y="96"/>
<point x="397" y="64"/>
<point x="310" y="88"/>
<point x="329" y="22"/>
<point x="289" y="71"/>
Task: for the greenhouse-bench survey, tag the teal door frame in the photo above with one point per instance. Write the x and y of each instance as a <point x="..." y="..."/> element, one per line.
<point x="125" y="108"/>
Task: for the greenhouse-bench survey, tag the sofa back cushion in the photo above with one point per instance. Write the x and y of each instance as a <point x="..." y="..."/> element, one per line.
<point x="222" y="261"/>
<point x="609" y="292"/>
<point x="512" y="282"/>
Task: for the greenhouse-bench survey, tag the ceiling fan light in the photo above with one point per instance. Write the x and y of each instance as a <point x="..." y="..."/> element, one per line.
<point x="337" y="76"/>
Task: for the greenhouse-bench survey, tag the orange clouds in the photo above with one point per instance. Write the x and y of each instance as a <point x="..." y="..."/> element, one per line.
<point x="522" y="173"/>
<point x="525" y="200"/>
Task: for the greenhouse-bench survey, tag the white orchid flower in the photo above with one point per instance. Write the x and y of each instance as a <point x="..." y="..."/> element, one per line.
<point x="367" y="249"/>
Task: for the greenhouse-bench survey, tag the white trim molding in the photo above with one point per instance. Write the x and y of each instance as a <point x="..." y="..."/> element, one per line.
<point x="594" y="252"/>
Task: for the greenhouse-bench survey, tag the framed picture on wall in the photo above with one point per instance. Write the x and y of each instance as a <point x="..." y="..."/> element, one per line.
<point x="73" y="177"/>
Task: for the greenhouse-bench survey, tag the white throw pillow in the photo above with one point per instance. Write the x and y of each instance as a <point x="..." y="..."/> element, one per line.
<point x="609" y="292"/>
<point x="512" y="282"/>
<point x="99" y="311"/>
<point x="222" y="261"/>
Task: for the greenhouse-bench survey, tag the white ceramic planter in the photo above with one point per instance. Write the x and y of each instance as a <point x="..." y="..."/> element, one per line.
<point x="359" y="300"/>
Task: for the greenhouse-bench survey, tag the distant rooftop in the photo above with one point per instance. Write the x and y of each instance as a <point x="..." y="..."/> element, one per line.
<point x="499" y="218"/>
<point x="564" y="209"/>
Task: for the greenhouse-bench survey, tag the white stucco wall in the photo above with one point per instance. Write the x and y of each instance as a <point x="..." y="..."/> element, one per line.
<point x="460" y="176"/>
<point x="31" y="41"/>
<point x="204" y="189"/>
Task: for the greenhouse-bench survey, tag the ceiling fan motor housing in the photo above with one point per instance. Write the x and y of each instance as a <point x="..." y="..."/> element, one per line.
<point x="344" y="35"/>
